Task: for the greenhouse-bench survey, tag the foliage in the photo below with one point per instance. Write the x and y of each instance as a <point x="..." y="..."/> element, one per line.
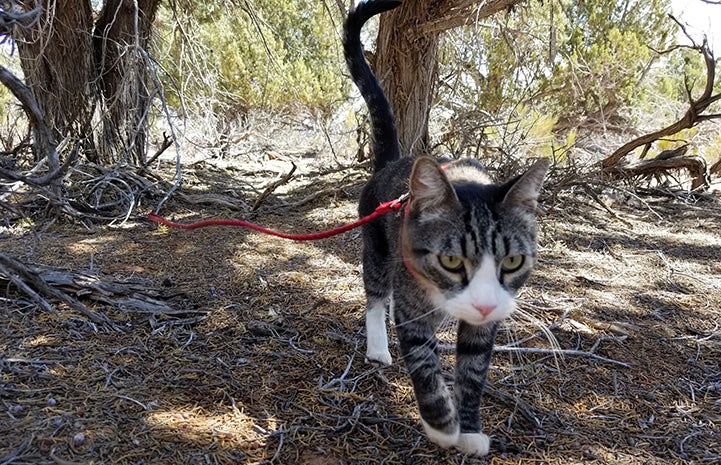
<point x="569" y="59"/>
<point x="254" y="54"/>
<point x="609" y="48"/>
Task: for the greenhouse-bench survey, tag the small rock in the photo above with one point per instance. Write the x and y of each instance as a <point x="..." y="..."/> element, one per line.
<point x="78" y="439"/>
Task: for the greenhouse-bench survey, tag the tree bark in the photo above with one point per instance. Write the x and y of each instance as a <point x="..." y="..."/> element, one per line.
<point x="406" y="65"/>
<point x="75" y="66"/>
<point x="120" y="43"/>
<point x="695" y="165"/>
<point x="406" y="58"/>
<point x="56" y="59"/>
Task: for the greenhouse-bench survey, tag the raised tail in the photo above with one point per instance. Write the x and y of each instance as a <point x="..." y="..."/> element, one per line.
<point x="384" y="136"/>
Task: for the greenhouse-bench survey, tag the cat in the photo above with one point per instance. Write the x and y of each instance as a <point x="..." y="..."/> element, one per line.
<point x="459" y="249"/>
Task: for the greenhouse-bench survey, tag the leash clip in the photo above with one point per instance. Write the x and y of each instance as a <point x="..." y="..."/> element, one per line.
<point x="397" y="203"/>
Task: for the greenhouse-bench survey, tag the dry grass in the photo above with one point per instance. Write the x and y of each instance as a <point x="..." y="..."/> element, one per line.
<point x="274" y="371"/>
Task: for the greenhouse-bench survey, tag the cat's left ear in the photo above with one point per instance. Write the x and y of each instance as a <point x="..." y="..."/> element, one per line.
<point x="429" y="188"/>
<point x="525" y="189"/>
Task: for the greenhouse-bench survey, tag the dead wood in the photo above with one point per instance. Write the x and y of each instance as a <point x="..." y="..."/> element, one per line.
<point x="41" y="282"/>
<point x="273" y="186"/>
<point x="715" y="168"/>
<point x="168" y="141"/>
<point x="693" y="116"/>
<point x="44" y="142"/>
<point x="30" y="280"/>
<point x="695" y="165"/>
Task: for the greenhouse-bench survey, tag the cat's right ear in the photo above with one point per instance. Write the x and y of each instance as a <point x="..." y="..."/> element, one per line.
<point x="430" y="188"/>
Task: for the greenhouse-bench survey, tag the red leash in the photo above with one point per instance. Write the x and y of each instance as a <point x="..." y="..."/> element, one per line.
<point x="381" y="210"/>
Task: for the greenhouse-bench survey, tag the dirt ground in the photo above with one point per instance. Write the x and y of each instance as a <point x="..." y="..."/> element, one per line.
<point x="261" y="360"/>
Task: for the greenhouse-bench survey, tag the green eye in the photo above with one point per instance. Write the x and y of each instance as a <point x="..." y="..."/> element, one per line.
<point x="512" y="263"/>
<point x="451" y="263"/>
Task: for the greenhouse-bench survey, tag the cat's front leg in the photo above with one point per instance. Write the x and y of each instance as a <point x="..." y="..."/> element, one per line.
<point x="473" y="354"/>
<point x="376" y="333"/>
<point x="435" y="402"/>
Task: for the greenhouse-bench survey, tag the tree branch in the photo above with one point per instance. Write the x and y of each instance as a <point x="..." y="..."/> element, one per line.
<point x="457" y="13"/>
<point x="9" y="20"/>
<point x="45" y="145"/>
<point x="690" y="119"/>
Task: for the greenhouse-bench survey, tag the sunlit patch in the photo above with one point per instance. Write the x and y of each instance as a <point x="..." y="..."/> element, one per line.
<point x="82" y="247"/>
<point x="231" y="428"/>
<point x="19" y="228"/>
<point x="39" y="341"/>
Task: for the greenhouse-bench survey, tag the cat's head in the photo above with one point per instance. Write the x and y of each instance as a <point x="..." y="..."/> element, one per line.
<point x="469" y="243"/>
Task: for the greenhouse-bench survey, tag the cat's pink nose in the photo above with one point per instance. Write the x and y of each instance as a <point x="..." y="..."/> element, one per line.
<point x="485" y="310"/>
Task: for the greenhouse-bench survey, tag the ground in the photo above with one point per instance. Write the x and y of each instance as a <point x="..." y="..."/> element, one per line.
<point x="261" y="360"/>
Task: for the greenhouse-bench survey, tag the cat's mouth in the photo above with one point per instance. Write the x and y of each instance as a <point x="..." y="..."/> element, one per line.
<point x="479" y="314"/>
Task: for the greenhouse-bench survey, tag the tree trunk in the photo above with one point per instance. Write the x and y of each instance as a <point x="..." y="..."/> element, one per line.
<point x="75" y="67"/>
<point x="121" y="38"/>
<point x="406" y="58"/>
<point x="406" y="65"/>
<point x="56" y="58"/>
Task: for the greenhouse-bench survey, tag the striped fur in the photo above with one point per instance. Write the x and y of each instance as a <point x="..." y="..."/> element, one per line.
<point x="460" y="251"/>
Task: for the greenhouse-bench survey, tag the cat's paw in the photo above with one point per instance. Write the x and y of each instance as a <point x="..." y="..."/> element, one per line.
<point x="382" y="357"/>
<point x="474" y="444"/>
<point x="443" y="439"/>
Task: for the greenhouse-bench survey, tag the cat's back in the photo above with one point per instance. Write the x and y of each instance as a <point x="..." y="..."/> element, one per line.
<point x="386" y="184"/>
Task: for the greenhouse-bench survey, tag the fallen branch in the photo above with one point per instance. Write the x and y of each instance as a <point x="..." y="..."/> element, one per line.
<point x="540" y="350"/>
<point x="31" y="282"/>
<point x="273" y="186"/>
<point x="43" y="180"/>
<point x="695" y="165"/>
<point x="40" y="282"/>
<point x="165" y="145"/>
<point x="715" y="168"/>
<point x="561" y="352"/>
<point x="691" y="118"/>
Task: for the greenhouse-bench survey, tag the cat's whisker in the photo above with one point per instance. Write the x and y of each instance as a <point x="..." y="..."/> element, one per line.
<point x="417" y="318"/>
<point x="543" y="329"/>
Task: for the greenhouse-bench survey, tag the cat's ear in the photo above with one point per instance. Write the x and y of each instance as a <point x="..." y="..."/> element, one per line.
<point x="524" y="190"/>
<point x="430" y="188"/>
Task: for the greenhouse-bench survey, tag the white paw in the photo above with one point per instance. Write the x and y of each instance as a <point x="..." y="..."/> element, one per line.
<point x="377" y="335"/>
<point x="441" y="438"/>
<point x="379" y="356"/>
<point x="474" y="443"/>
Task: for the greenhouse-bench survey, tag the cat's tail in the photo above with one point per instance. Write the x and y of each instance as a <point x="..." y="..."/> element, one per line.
<point x="384" y="136"/>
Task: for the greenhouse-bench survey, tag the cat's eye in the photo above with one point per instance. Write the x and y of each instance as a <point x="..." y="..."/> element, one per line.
<point x="451" y="263"/>
<point x="512" y="263"/>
